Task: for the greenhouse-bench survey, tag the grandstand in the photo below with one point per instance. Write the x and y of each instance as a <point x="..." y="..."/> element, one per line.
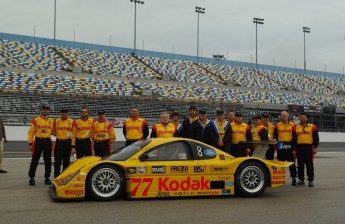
<point x="63" y="73"/>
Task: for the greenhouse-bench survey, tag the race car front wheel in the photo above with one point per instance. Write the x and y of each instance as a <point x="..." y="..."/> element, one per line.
<point x="105" y="183"/>
<point x="250" y="179"/>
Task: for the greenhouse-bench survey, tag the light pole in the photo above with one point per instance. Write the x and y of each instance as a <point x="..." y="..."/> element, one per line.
<point x="198" y="10"/>
<point x="54" y="20"/>
<point x="305" y="30"/>
<point x="257" y="21"/>
<point x="135" y="20"/>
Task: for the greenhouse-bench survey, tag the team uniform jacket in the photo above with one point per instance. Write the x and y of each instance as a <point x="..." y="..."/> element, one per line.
<point x="186" y="126"/>
<point x="63" y="129"/>
<point x="135" y="129"/>
<point x="270" y="128"/>
<point x="283" y="132"/>
<point x="179" y="130"/>
<point x="163" y="131"/>
<point x="307" y="135"/>
<point x="197" y="129"/>
<point x="259" y="133"/>
<point x="82" y="129"/>
<point x="215" y="132"/>
<point x="240" y="132"/>
<point x="40" y="128"/>
<point x="102" y="131"/>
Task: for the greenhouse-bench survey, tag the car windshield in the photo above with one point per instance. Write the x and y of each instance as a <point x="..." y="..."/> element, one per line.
<point x="124" y="153"/>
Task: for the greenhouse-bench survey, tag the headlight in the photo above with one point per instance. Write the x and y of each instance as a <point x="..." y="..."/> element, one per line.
<point x="65" y="180"/>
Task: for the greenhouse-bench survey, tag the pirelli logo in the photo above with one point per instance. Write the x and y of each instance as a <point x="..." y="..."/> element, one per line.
<point x="74" y="192"/>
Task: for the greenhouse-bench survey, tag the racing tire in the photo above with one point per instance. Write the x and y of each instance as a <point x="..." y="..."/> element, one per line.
<point x="105" y="183"/>
<point x="250" y="179"/>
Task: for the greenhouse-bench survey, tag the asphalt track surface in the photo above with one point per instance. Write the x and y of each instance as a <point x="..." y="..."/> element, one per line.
<point x="325" y="203"/>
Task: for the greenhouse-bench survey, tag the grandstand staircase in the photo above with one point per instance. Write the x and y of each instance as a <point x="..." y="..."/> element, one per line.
<point x="223" y="82"/>
<point x="64" y="58"/>
<point x="159" y="76"/>
<point x="321" y="84"/>
<point x="271" y="80"/>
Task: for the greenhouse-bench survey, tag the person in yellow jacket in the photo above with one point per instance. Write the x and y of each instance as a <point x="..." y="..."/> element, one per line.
<point x="135" y="128"/>
<point x="240" y="132"/>
<point x="103" y="134"/>
<point x="164" y="129"/>
<point x="63" y="131"/>
<point x="307" y="140"/>
<point x="81" y="139"/>
<point x="39" y="141"/>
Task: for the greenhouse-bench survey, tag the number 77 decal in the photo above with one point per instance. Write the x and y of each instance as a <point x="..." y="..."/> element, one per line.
<point x="138" y="182"/>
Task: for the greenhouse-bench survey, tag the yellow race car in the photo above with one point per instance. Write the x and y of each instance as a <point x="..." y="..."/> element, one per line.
<point x="170" y="167"/>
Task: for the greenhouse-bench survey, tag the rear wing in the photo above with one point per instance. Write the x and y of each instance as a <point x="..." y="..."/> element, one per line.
<point x="261" y="147"/>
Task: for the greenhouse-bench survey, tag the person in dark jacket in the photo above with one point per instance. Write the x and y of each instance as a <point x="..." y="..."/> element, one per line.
<point x="197" y="128"/>
<point x="188" y="121"/>
<point x="219" y="133"/>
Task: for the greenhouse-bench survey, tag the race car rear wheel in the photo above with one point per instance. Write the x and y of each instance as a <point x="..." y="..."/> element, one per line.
<point x="250" y="179"/>
<point x="105" y="183"/>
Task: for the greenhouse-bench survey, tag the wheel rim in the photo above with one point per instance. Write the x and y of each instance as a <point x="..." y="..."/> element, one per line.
<point x="252" y="179"/>
<point x="106" y="182"/>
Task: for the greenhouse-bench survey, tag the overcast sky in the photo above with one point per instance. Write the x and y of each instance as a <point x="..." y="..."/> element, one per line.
<point x="226" y="28"/>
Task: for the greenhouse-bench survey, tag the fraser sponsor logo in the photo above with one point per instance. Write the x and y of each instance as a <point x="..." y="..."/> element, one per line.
<point x="179" y="169"/>
<point x="166" y="184"/>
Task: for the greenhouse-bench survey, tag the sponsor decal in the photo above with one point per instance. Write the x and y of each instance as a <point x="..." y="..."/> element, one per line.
<point x="163" y="194"/>
<point x="224" y="177"/>
<point x="274" y="168"/>
<point x="179" y="169"/>
<point x="183" y="193"/>
<point x="199" y="169"/>
<point x="131" y="170"/>
<point x="219" y="169"/>
<point x="226" y="192"/>
<point x="207" y="193"/>
<point x="282" y="146"/>
<point x="82" y="173"/>
<point x="221" y="156"/>
<point x="278" y="182"/>
<point x="278" y="171"/>
<point x="79" y="179"/>
<point x="142" y="169"/>
<point x="158" y="169"/>
<point x="182" y="155"/>
<point x="75" y="192"/>
<point x="228" y="184"/>
<point x="78" y="185"/>
<point x="166" y="184"/>
<point x="278" y="177"/>
<point x="209" y="152"/>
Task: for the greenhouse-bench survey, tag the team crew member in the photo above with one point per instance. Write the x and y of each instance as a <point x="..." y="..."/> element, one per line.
<point x="283" y="132"/>
<point x="81" y="140"/>
<point x="163" y="129"/>
<point x="177" y="124"/>
<point x="39" y="141"/>
<point x="307" y="142"/>
<point x="240" y="132"/>
<point x="270" y="128"/>
<point x="135" y="128"/>
<point x="63" y="130"/>
<point x="219" y="133"/>
<point x="103" y="134"/>
<point x="259" y="132"/>
<point x="231" y="117"/>
<point x="197" y="128"/>
<point x="188" y="121"/>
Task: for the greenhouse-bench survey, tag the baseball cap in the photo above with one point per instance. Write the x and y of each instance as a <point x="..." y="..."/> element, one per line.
<point x="99" y="112"/>
<point x="202" y="111"/>
<point x="64" y="110"/>
<point x="192" y="107"/>
<point x="220" y="112"/>
<point x="265" y="115"/>
<point x="45" y="106"/>
<point x="238" y="114"/>
<point x="256" y="117"/>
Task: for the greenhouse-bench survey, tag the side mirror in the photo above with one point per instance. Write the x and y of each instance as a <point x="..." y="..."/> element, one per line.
<point x="143" y="157"/>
